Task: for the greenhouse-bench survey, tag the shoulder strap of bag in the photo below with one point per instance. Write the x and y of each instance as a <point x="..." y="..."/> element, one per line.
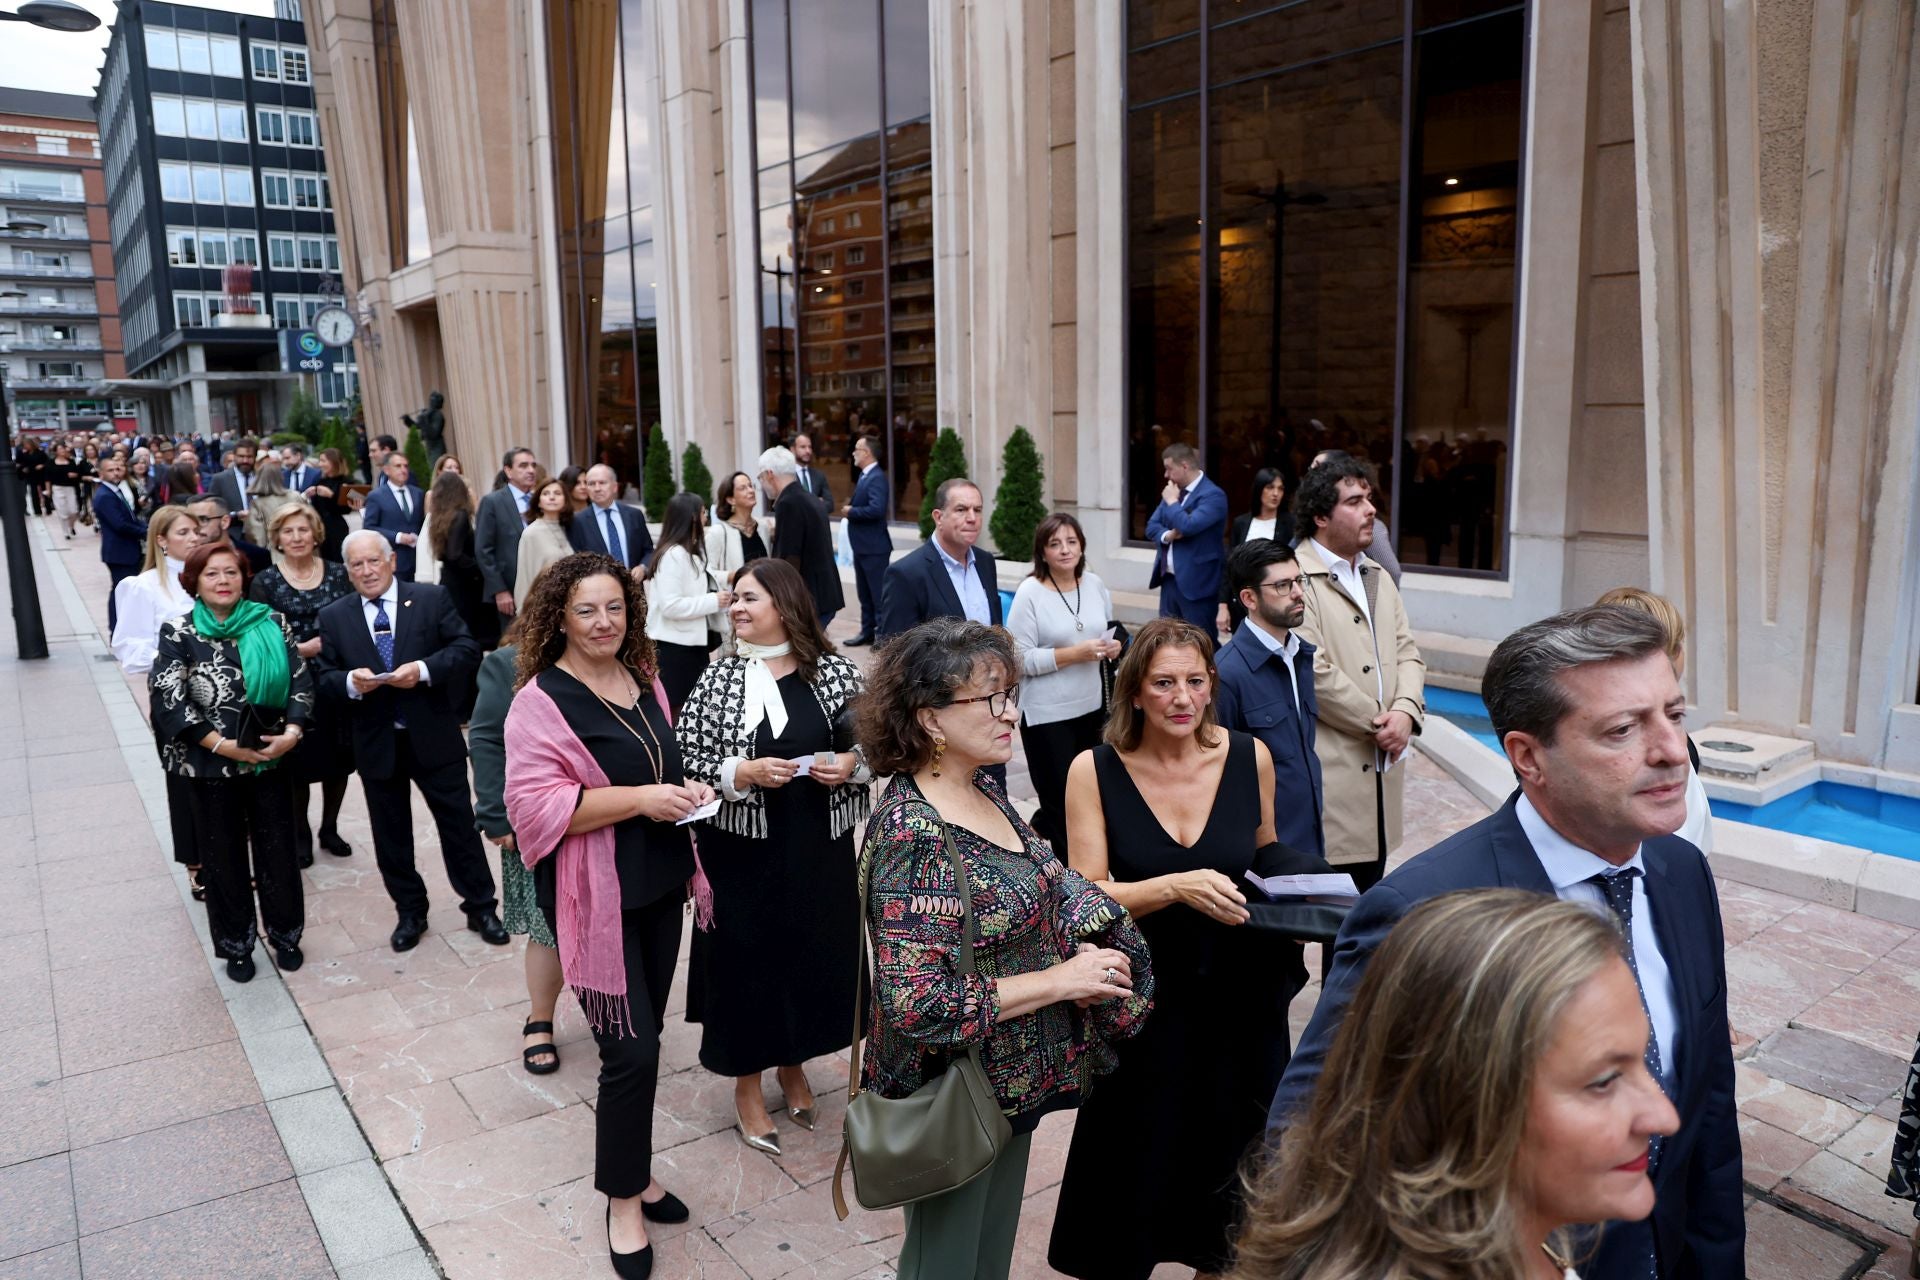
<point x="967" y="940"/>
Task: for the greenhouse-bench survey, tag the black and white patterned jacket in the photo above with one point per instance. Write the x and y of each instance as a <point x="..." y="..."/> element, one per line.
<point x="712" y="730"/>
<point x="196" y="687"/>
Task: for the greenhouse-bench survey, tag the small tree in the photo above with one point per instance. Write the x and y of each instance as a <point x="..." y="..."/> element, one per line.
<point x="947" y="459"/>
<point x="658" y="489"/>
<point x="694" y="476"/>
<point x="1019" y="505"/>
<point x="416" y="451"/>
<point x="303" y="417"/>
<point x="338" y="435"/>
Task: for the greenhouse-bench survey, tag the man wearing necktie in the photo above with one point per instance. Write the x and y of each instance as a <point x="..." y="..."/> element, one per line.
<point x="1190" y="526"/>
<point x="609" y="526"/>
<point x="397" y="508"/>
<point x="813" y="481"/>
<point x="300" y="476"/>
<point x="1589" y="711"/>
<point x="123" y="534"/>
<point x="231" y="485"/>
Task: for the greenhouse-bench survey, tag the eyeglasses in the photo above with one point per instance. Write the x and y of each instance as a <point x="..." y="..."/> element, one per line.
<point x="1286" y="586"/>
<point x="997" y="703"/>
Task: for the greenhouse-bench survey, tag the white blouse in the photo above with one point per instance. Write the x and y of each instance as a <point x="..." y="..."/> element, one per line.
<point x="142" y="604"/>
<point x="1257" y="528"/>
<point x="680" y="598"/>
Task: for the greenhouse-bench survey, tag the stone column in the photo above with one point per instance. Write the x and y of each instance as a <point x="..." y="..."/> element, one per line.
<point x="1100" y="198"/>
<point x="1777" y="245"/>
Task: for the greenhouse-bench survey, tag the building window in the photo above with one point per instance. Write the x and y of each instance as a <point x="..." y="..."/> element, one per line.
<point x="194" y="54"/>
<point x="266" y="61"/>
<point x="246" y="247"/>
<point x="206" y="185"/>
<point x="333" y="253"/>
<point x="286" y="313"/>
<point x="856" y="254"/>
<point x="169" y="116"/>
<point x="163" y="51"/>
<point x="276" y="190"/>
<point x="312" y="254"/>
<point x="856" y="320"/>
<point x="306" y="191"/>
<point x="183" y="249"/>
<point x="309" y="308"/>
<point x="293" y="65"/>
<point x="176" y="181"/>
<point x="233" y="122"/>
<point x="226" y="55"/>
<point x="239" y="186"/>
<point x="300" y="129"/>
<point x="280" y="253"/>
<point x="1322" y="241"/>
<point x="213" y="250"/>
<point x="272" y="125"/>
<point x="188" y="312"/>
<point x="823" y="261"/>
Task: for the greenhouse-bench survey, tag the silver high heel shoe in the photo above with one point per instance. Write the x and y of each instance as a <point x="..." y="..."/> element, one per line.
<point x="802" y="1116"/>
<point x="767" y="1143"/>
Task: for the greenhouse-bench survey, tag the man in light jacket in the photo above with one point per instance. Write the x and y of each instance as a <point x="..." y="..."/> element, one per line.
<point x="1368" y="677"/>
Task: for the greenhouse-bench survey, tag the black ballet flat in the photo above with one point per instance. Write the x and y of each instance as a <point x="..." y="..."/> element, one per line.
<point x="628" y="1266"/>
<point x="668" y="1208"/>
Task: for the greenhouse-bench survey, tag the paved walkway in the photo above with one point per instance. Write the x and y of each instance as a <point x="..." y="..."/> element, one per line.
<point x="134" y="1121"/>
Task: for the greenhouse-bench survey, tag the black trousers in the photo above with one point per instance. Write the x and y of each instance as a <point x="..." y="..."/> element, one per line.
<point x="630" y="1064"/>
<point x="333" y="792"/>
<point x="1050" y="752"/>
<point x="680" y="668"/>
<point x="245" y="827"/>
<point x="390" y="814"/>
<point x="180" y="820"/>
<point x="869" y="572"/>
<point x="116" y="574"/>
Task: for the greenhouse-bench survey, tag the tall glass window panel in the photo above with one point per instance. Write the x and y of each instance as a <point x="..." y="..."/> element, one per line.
<point x="1461" y="250"/>
<point x="239" y="185"/>
<point x="771" y="118"/>
<point x="169" y="115"/>
<point x="233" y="121"/>
<point x="618" y="428"/>
<point x="206" y="185"/>
<point x="779" y="356"/>
<point x="200" y="119"/>
<point x="176" y="182"/>
<point x="835" y="66"/>
<point x="909" y="320"/>
<point x="226" y="55"/>
<point x="163" y="51"/>
<point x="419" y="242"/>
<point x="194" y="54"/>
<point x="909" y="65"/>
<point x="838" y="209"/>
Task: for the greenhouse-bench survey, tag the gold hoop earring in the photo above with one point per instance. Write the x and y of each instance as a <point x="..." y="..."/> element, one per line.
<point x="939" y="749"/>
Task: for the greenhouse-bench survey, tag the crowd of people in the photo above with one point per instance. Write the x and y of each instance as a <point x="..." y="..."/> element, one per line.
<point x="1522" y="1031"/>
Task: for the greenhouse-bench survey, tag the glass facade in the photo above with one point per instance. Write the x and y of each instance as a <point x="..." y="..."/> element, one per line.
<point x="1322" y="239"/>
<point x="843" y="146"/>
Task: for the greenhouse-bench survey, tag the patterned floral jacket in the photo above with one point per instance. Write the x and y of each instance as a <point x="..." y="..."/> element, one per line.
<point x="196" y="685"/>
<point x="1030" y="912"/>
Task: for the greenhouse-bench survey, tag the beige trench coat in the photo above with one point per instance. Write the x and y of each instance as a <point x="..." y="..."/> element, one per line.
<point x="1343" y="681"/>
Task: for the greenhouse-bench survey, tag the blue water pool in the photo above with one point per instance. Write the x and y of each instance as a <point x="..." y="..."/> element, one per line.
<point x="1857" y="816"/>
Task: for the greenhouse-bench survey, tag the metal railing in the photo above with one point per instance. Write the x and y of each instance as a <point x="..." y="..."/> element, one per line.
<point x="17" y="308"/>
<point x="40" y="195"/>
<point x="49" y="234"/>
<point x="43" y="269"/>
<point x="51" y="346"/>
<point x="18" y="383"/>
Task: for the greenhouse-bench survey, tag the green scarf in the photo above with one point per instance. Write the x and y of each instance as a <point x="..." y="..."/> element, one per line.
<point x="262" y="645"/>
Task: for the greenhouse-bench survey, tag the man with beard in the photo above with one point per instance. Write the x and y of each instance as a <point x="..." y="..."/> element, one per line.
<point x="1265" y="685"/>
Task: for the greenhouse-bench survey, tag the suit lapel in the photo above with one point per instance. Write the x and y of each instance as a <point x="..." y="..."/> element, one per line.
<point x="943" y="581"/>
<point x="1662" y="895"/>
<point x="1515" y="862"/>
<point x="402" y="624"/>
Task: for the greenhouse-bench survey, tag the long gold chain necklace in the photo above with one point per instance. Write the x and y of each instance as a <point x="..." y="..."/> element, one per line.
<point x="650" y="744"/>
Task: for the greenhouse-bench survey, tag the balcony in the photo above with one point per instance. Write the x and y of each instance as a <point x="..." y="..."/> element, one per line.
<point x="44" y="271"/>
<point x="37" y="194"/>
<point x="18" y="383"/>
<point x="50" y="346"/>
<point x="59" y="237"/>
<point x="15" y="307"/>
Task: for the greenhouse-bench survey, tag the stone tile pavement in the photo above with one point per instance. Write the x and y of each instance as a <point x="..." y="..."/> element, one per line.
<point x="120" y="1056"/>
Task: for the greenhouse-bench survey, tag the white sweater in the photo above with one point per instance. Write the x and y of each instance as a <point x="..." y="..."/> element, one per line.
<point x="680" y="598"/>
<point x="1042" y="621"/>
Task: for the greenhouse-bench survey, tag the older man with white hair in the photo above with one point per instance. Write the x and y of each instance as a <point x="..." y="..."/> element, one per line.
<point x="800" y="533"/>
<point x="396" y="661"/>
<point x="609" y="526"/>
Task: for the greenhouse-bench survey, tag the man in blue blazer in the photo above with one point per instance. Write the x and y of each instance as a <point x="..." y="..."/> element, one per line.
<point x="123" y="534"/>
<point x="1589" y="710"/>
<point x="396" y="507"/>
<point x="946" y="576"/>
<point x="1190" y="524"/>
<point x="606" y="516"/>
<point x="1265" y="686"/>
<point x="866" y="516"/>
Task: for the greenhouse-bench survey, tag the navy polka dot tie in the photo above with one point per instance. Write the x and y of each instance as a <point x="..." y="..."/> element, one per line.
<point x="1618" y="888"/>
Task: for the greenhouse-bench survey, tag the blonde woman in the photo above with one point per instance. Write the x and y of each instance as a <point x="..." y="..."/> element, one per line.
<point x="267" y="496"/>
<point x="427" y="568"/>
<point x="1697" y="830"/>
<point x="1529" y="1107"/>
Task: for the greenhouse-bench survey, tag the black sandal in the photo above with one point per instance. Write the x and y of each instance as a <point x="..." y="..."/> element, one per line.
<point x="532" y="1051"/>
<point x="193" y="883"/>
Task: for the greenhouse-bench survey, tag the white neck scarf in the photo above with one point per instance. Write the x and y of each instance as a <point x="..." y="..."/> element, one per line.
<point x="170" y="582"/>
<point x="763" y="691"/>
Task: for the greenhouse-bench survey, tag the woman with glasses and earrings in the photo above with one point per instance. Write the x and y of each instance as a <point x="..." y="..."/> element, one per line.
<point x="1167" y="815"/>
<point x="1059" y="624"/>
<point x="1059" y="973"/>
<point x="772" y="984"/>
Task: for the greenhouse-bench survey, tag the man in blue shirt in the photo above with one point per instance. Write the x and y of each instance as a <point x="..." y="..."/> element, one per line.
<point x="1266" y="685"/>
<point x="948" y="576"/>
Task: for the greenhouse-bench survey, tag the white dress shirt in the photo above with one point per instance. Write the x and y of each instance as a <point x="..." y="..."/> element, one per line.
<point x="1168" y="537"/>
<point x="521" y="497"/>
<point x="967" y="585"/>
<point x="390" y="598"/>
<point x="617" y="545"/>
<point x="400" y="496"/>
<point x="1288" y="652"/>
<point x="1569" y="867"/>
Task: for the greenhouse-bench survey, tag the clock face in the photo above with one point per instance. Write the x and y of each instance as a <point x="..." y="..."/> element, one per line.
<point x="335" y="326"/>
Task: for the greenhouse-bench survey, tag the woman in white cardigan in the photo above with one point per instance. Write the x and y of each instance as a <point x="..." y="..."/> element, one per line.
<point x="682" y="604"/>
<point x="734" y="538"/>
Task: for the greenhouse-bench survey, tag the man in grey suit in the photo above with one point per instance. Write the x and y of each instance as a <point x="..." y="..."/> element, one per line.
<point x="497" y="525"/>
<point x="231" y="485"/>
<point x="813" y="481"/>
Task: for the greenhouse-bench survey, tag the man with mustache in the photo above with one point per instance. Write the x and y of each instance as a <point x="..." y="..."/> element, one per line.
<point x="1589" y="711"/>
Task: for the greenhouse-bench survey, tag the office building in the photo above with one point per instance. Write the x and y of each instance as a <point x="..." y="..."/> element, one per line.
<point x="59" y="314"/>
<point x="221" y="212"/>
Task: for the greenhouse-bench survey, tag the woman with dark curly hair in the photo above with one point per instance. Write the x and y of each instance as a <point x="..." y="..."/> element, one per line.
<point x="1060" y="973"/>
<point x="597" y="800"/>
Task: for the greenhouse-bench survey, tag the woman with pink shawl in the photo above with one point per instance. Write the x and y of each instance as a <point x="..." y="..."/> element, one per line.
<point x="597" y="796"/>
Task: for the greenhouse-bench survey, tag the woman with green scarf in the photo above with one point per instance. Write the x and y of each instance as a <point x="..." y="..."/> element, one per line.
<point x="230" y="696"/>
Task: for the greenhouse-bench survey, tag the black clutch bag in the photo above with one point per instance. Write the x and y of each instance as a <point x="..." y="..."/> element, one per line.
<point x="257" y="724"/>
<point x="1298" y="919"/>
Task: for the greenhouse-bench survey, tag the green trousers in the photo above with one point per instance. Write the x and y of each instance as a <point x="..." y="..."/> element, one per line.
<point x="967" y="1234"/>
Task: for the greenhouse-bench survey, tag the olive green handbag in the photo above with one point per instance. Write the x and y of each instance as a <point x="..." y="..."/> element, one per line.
<point x="947" y="1132"/>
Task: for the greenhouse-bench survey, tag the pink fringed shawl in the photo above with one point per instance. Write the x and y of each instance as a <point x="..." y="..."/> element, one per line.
<point x="547" y="765"/>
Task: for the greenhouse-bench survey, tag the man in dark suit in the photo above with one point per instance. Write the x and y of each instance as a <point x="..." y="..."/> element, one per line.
<point x="1265" y="686"/>
<point x="231" y="485"/>
<point x="1589" y="711"/>
<point x="497" y="526"/>
<point x="396" y="507"/>
<point x="813" y="481"/>
<point x="216" y="525"/>
<point x="866" y="516"/>
<point x="947" y="576"/>
<point x="300" y="474"/>
<point x="800" y="532"/>
<point x="611" y="527"/>
<point x="123" y="534"/>
<point x="397" y="661"/>
<point x="1190" y="524"/>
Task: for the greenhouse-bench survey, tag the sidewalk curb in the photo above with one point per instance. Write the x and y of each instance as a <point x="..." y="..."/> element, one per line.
<point x="361" y="1221"/>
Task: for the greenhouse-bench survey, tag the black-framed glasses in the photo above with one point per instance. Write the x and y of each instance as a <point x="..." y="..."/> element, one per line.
<point x="997" y="703"/>
<point x="1286" y="586"/>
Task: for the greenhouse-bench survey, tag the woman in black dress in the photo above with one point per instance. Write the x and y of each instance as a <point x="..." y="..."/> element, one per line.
<point x="450" y="533"/>
<point x="1166" y="816"/>
<point x="772" y="982"/>
<point x="329" y="501"/>
<point x="595" y="792"/>
<point x="297" y="589"/>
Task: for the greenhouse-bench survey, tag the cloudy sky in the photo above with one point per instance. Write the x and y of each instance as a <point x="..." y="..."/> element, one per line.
<point x="34" y="59"/>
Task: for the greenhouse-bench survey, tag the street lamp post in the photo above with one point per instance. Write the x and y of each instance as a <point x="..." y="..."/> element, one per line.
<point x="29" y="630"/>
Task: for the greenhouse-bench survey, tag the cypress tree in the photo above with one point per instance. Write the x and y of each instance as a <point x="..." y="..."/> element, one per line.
<point x="947" y="459"/>
<point x="1020" y="504"/>
<point x="416" y="451"/>
<point x="658" y="489"/>
<point x="694" y="476"/>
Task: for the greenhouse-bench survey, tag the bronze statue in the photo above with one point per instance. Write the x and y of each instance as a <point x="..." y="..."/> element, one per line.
<point x="432" y="426"/>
